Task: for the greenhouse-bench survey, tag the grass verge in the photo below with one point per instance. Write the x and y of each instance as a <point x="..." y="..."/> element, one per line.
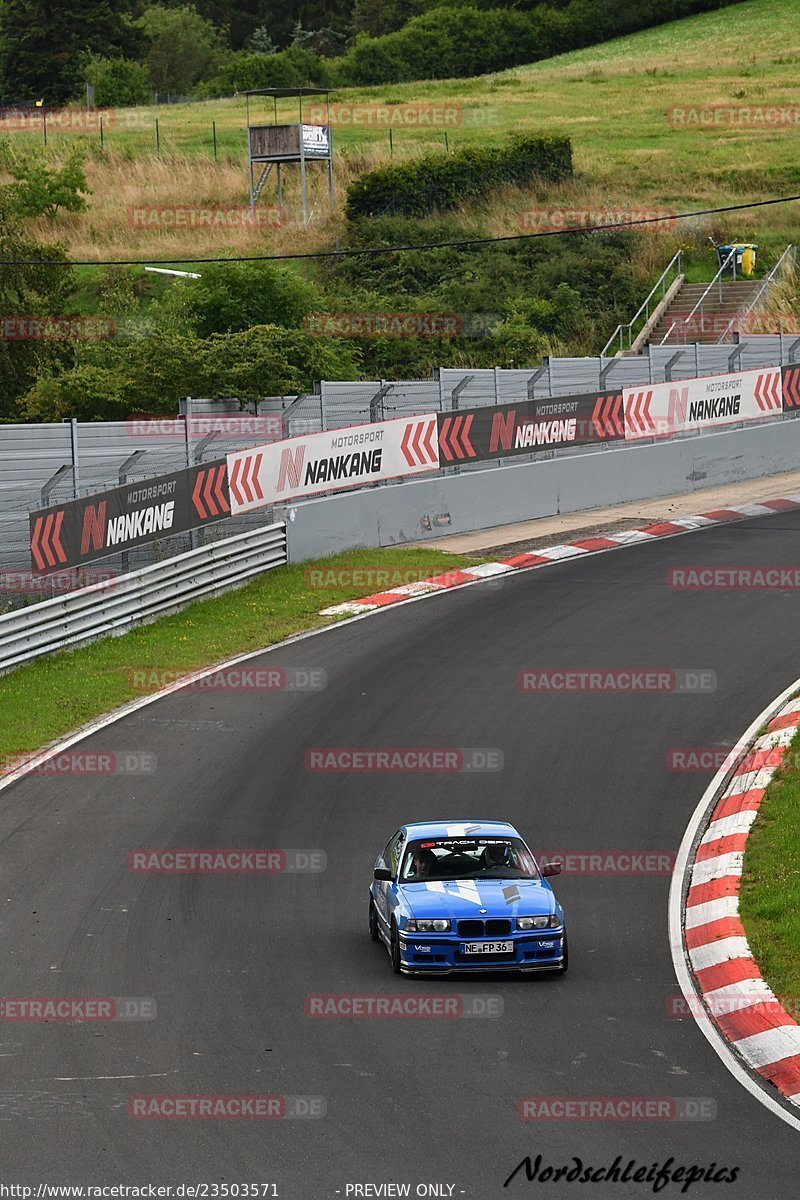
<point x="47" y="699"/>
<point x="769" y="901"/>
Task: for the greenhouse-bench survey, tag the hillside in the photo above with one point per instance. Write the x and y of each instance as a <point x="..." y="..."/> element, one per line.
<point x="613" y="100"/>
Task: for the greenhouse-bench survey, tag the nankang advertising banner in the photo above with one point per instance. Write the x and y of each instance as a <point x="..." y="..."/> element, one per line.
<point x="663" y="409"/>
<point x="324" y="462"/>
<point x="506" y="430"/>
<point x="82" y="531"/>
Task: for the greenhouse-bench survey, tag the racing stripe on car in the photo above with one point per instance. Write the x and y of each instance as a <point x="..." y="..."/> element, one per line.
<point x="735" y="996"/>
<point x="547" y="555"/>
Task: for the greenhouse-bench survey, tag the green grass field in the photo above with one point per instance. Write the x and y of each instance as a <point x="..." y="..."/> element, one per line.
<point x="613" y="100"/>
<point x="770" y="896"/>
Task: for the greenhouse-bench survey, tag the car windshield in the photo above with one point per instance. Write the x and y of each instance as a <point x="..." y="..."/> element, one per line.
<point x="467" y="858"/>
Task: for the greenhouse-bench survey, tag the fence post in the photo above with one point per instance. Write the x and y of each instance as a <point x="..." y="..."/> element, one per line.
<point x="76" y="458"/>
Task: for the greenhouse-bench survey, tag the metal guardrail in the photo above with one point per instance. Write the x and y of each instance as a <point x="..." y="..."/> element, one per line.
<point x="786" y="262"/>
<point x="116" y="606"/>
<point x="661" y="282"/>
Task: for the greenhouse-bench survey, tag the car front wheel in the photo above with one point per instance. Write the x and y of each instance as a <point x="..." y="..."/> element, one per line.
<point x="395" y="949"/>
<point x="373" y="922"/>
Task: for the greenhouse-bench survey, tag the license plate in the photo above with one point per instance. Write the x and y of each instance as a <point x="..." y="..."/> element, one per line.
<point x="487" y="948"/>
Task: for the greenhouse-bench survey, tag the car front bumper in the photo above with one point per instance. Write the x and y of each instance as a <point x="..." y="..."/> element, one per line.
<point x="440" y="955"/>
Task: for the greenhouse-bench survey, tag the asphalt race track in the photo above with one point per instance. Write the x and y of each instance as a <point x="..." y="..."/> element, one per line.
<point x="229" y="960"/>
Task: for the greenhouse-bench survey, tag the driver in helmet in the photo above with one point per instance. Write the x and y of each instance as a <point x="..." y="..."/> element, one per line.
<point x="423" y="864"/>
<point x="496" y="856"/>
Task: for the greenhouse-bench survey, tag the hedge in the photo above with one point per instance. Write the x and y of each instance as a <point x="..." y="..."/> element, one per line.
<point x="441" y="181"/>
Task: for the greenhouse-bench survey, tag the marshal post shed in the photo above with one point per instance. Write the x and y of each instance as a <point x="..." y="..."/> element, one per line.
<point x="278" y="145"/>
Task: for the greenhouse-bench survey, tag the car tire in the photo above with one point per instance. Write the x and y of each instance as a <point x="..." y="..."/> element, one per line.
<point x="373" y="922"/>
<point x="562" y="970"/>
<point x="394" y="950"/>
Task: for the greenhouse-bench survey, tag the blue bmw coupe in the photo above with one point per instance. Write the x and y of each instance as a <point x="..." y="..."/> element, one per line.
<point x="467" y="896"/>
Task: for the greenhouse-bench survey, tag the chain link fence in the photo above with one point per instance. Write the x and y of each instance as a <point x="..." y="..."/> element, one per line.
<point x="41" y="465"/>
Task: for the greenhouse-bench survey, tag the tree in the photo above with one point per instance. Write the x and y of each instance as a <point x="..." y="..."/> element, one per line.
<point x="377" y="17"/>
<point x="118" y="82"/>
<point x="28" y="292"/>
<point x="261" y="42"/>
<point x="232" y="297"/>
<point x="183" y="47"/>
<point x="42" y="45"/>
<point x="39" y="189"/>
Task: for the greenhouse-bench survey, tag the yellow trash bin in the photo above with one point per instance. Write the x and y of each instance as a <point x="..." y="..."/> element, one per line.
<point x="749" y="259"/>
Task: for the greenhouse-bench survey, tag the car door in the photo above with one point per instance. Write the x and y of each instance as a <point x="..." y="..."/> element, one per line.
<point x="385" y="898"/>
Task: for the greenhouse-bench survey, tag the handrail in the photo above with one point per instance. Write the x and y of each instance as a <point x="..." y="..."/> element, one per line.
<point x="669" y="331"/>
<point x="717" y="279"/>
<point x="766" y="284"/>
<point x="645" y="307"/>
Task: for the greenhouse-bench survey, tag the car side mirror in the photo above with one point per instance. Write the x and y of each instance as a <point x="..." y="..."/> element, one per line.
<point x="553" y="868"/>
<point x="383" y="873"/>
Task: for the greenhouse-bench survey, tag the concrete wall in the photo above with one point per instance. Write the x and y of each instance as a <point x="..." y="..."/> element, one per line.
<point x="426" y="508"/>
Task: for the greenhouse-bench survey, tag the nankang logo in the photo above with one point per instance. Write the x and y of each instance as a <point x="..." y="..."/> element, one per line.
<point x="131" y="526"/>
<point x="99" y="532"/>
<point x="291" y="468"/>
<point x="344" y="466"/>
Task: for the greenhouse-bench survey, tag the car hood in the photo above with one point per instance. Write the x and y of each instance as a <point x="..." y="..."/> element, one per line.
<point x="459" y="899"/>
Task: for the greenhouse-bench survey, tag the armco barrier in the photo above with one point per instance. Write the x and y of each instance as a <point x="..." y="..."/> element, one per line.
<point x="118" y="605"/>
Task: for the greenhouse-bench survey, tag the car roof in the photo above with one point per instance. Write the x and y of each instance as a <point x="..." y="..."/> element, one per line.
<point x="459" y="828"/>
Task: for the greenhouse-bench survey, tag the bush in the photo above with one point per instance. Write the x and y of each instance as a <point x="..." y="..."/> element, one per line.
<point x="232" y="297"/>
<point x="441" y="181"/>
<point x="118" y="82"/>
<point x="245" y="71"/>
<point x="40" y="190"/>
<point x="150" y="374"/>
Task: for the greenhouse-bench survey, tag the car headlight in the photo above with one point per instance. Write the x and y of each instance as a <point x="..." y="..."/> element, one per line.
<point x="538" y="922"/>
<point x="437" y="926"/>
